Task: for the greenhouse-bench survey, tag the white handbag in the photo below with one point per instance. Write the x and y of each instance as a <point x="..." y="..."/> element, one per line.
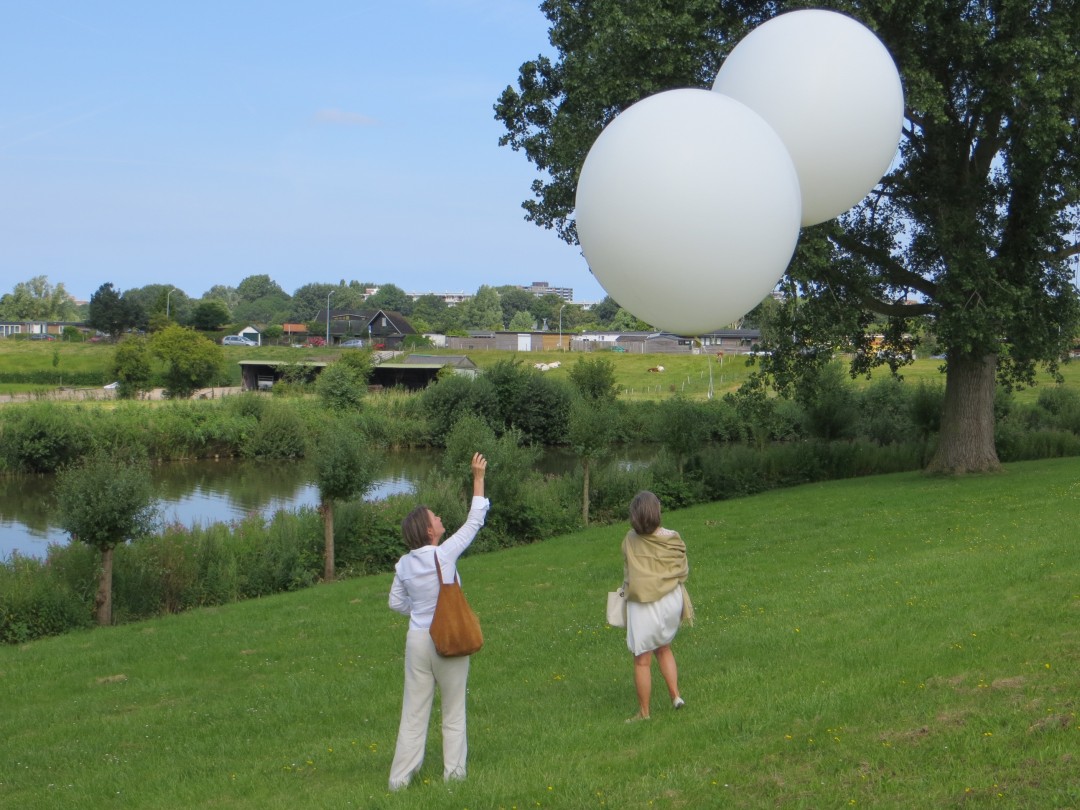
<point x="616" y="608"/>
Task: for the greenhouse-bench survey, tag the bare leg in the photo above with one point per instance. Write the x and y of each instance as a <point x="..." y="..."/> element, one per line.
<point x="665" y="658"/>
<point x="643" y="680"/>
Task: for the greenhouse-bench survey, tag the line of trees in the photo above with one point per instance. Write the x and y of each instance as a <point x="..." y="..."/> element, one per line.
<point x="258" y="299"/>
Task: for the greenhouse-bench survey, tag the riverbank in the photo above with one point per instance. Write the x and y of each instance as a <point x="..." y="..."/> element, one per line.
<point x="107" y="394"/>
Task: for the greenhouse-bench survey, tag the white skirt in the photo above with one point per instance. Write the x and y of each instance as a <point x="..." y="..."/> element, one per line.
<point x="650" y="625"/>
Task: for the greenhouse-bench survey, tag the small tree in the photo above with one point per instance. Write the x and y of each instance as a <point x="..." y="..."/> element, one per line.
<point x="345" y="467"/>
<point x="592" y="429"/>
<point x="104" y="501"/>
<point x="341" y="385"/>
<point x="192" y="361"/>
<point x="594" y="379"/>
<point x="210" y="314"/>
<point x="522" y="322"/>
<point x="112" y="313"/>
<point x="131" y="367"/>
<point x="683" y="431"/>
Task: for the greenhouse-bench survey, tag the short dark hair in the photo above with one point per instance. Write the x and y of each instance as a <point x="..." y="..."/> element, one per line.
<point x="645" y="512"/>
<point x="414" y="528"/>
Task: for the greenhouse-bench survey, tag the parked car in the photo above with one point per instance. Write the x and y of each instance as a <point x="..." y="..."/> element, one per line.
<point x="237" y="340"/>
<point x="352" y="343"/>
<point x="42" y="336"/>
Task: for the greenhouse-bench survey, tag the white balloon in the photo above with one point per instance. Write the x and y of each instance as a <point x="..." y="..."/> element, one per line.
<point x="688" y="210"/>
<point x="831" y="90"/>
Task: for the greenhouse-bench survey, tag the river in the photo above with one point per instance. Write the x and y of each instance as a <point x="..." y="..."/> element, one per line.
<point x="204" y="492"/>
<point x="195" y="493"/>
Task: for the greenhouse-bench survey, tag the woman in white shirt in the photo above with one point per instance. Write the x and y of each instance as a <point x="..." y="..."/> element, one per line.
<point x="414" y="593"/>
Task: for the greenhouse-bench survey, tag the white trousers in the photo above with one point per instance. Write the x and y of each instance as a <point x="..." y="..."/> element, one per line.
<point x="424" y="668"/>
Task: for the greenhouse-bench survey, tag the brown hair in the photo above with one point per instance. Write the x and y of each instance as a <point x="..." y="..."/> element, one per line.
<point x="645" y="513"/>
<point x="414" y="528"/>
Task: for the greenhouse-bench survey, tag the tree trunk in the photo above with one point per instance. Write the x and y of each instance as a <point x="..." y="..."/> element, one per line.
<point x="585" y="491"/>
<point x="966" y="439"/>
<point x="103" y="601"/>
<point x="328" y="535"/>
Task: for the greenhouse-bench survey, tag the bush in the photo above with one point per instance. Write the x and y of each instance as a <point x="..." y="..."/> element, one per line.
<point x="926" y="404"/>
<point x="279" y="434"/>
<point x="42" y="438"/>
<point x="886" y="412"/>
<point x="34" y="604"/>
<point x="367" y="538"/>
<point x="829" y="402"/>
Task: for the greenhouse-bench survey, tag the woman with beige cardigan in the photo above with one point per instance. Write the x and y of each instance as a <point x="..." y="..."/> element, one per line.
<point x="655" y="569"/>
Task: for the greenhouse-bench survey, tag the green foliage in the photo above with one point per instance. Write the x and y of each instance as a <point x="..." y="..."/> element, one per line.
<point x="192" y="361"/>
<point x="885" y="412"/>
<point x="528" y="401"/>
<point x="976" y="216"/>
<point x="279" y="434"/>
<point x="345" y="465"/>
<point x="105" y="500"/>
<point x="34" y="603"/>
<point x="37" y="300"/>
<point x="592" y="428"/>
<point x="367" y="538"/>
<point x="341" y="385"/>
<point x="112" y="313"/>
<point x="927" y="401"/>
<point x="210" y="315"/>
<point x="131" y="367"/>
<point x="594" y="378"/>
<point x="520" y="507"/>
<point x="828" y="402"/>
<point x="521" y="322"/>
<point x="454" y="396"/>
<point x="390" y="297"/>
<point x="41" y="438"/>
<point x="681" y="430"/>
<point x="483" y="310"/>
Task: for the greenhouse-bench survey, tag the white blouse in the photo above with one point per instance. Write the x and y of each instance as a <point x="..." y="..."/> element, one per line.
<point x="416" y="588"/>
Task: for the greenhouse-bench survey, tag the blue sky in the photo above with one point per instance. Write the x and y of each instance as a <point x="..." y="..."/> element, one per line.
<point x="199" y="143"/>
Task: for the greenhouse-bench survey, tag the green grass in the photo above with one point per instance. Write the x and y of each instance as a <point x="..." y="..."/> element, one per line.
<point x="686" y="374"/>
<point x="890" y="642"/>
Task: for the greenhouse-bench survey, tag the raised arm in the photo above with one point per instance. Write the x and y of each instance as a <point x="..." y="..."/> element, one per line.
<point x="479" y="467"/>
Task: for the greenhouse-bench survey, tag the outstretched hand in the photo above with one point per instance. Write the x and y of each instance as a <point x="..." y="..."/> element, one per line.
<point x="479" y="467"/>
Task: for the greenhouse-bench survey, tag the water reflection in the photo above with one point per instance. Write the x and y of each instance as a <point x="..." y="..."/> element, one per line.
<point x="196" y="493"/>
<point x="205" y="492"/>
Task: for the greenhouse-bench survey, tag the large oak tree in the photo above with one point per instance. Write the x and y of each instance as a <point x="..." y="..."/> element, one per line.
<point x="975" y="222"/>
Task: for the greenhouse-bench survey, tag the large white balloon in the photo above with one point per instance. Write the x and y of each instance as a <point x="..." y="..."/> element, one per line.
<point x="831" y="90"/>
<point x="688" y="210"/>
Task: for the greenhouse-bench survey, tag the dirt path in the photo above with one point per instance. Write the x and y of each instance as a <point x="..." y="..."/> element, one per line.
<point x="103" y="394"/>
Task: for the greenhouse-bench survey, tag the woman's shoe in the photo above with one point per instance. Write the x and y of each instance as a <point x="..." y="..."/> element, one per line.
<point x="637" y="717"/>
<point x="678" y="703"/>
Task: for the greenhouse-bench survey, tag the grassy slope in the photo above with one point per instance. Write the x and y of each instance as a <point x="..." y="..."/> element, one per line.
<point x="687" y="374"/>
<point x="898" y="641"/>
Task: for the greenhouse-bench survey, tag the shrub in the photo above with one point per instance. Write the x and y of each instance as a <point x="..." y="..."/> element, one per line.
<point x="829" y="403"/>
<point x="886" y="412"/>
<point x="34" y="604"/>
<point x="926" y="403"/>
<point x="42" y="438"/>
<point x="367" y="538"/>
<point x="279" y="434"/>
<point x="1062" y="406"/>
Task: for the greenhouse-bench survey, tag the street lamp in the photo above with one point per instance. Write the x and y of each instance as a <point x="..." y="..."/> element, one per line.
<point x="328" y="317"/>
<point x="169" y="293"/>
<point x="560" y="327"/>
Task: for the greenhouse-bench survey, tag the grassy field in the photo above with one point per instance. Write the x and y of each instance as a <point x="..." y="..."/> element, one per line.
<point x="687" y="374"/>
<point x="890" y="642"/>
